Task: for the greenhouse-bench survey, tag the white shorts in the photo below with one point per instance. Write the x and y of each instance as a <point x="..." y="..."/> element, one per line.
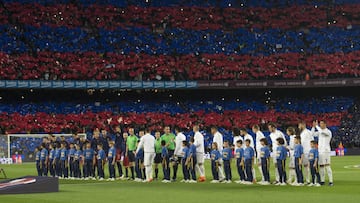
<point x="258" y="156"/>
<point x="200" y="158"/>
<point x="292" y="160"/>
<point x="258" y="160"/>
<point x="149" y="158"/>
<point x="305" y="161"/>
<point x="274" y="159"/>
<point x="324" y="158"/>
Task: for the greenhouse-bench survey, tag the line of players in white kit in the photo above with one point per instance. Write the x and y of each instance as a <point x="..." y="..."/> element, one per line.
<point x="303" y="151"/>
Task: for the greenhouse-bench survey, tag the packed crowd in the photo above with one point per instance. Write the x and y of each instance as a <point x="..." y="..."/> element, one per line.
<point x="68" y="117"/>
<point x="178" y="41"/>
<point x="201" y="3"/>
<point x="193" y="18"/>
<point x="133" y="66"/>
<point x="349" y="131"/>
<point x="78" y="41"/>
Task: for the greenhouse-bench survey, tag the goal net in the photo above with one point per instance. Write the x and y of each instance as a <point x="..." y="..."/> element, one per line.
<point x="18" y="148"/>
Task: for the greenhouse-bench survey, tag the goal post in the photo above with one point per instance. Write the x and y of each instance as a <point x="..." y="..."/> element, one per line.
<point x="4" y="149"/>
<point x="20" y="147"/>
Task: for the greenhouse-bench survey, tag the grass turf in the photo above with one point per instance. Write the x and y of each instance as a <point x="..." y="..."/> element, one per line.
<point x="346" y="189"/>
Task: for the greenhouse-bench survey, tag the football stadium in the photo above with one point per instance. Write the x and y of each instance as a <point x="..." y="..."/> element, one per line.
<point x="179" y="101"/>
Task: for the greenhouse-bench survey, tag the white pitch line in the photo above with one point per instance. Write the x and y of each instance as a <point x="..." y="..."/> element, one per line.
<point x="352" y="167"/>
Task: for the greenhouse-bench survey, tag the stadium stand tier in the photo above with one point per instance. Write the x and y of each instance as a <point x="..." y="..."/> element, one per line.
<point x="179" y="40"/>
<point x="62" y="113"/>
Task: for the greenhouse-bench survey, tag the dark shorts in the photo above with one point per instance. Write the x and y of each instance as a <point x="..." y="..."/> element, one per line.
<point x="131" y="156"/>
<point x="140" y="161"/>
<point x="158" y="158"/>
<point x="171" y="153"/>
<point x="118" y="155"/>
<point x="126" y="161"/>
<point x="178" y="160"/>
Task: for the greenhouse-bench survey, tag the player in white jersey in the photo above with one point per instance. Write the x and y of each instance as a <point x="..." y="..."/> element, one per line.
<point x="306" y="138"/>
<point x="246" y="136"/>
<point x="275" y="134"/>
<point x="290" y="131"/>
<point x="178" y="152"/>
<point x="200" y="151"/>
<point x="180" y="137"/>
<point x="218" y="139"/>
<point x="325" y="136"/>
<point x="148" y="143"/>
<point x="259" y="136"/>
<point x="236" y="137"/>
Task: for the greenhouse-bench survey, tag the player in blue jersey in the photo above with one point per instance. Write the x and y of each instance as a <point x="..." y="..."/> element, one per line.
<point x="51" y="160"/>
<point x="215" y="157"/>
<point x="57" y="162"/>
<point x="139" y="160"/>
<point x="240" y="166"/>
<point x="82" y="160"/>
<point x="165" y="162"/>
<point x="37" y="160"/>
<point x="249" y="155"/>
<point x="314" y="167"/>
<point x="88" y="161"/>
<point x="111" y="160"/>
<point x="64" y="155"/>
<point x="119" y="145"/>
<point x="299" y="156"/>
<point x="72" y="151"/>
<point x="185" y="154"/>
<point x="44" y="158"/>
<point x="101" y="158"/>
<point x="281" y="153"/>
<point x="226" y="157"/>
<point x="191" y="160"/>
<point x="265" y="161"/>
<point x="76" y="162"/>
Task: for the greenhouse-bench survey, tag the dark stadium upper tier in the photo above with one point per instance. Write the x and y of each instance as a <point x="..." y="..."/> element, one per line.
<point x="200" y="3"/>
<point x="194" y="18"/>
<point x="112" y="66"/>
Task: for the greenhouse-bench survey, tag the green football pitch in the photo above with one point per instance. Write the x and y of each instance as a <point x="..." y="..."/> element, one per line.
<point x="346" y="189"/>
